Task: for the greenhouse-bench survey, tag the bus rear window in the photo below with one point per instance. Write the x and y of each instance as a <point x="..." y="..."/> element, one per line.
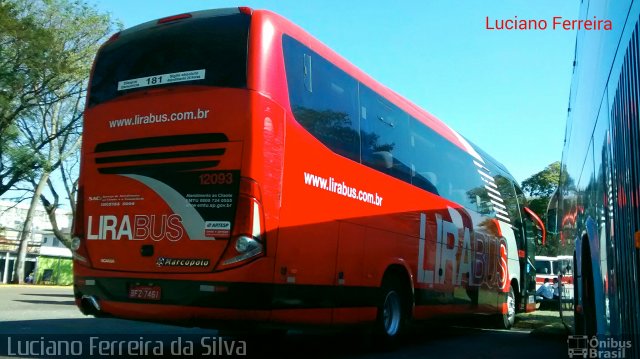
<point x="206" y="51"/>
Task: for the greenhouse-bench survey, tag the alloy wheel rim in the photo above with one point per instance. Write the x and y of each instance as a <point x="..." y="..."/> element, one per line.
<point x="391" y="313"/>
<point x="511" y="308"/>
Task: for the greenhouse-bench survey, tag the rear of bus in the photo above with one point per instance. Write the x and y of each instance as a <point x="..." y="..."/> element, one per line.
<point x="171" y="213"/>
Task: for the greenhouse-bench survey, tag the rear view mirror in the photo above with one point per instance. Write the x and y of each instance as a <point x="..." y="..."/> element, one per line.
<point x="542" y="234"/>
<point x="552" y="214"/>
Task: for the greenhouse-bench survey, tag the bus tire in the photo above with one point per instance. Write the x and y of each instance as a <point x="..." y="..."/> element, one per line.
<point x="506" y="320"/>
<point x="392" y="315"/>
<point x="585" y="321"/>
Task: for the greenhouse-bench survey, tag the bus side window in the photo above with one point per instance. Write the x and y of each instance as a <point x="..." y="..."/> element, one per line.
<point x="507" y="189"/>
<point x="384" y="133"/>
<point x="424" y="173"/>
<point x="324" y="99"/>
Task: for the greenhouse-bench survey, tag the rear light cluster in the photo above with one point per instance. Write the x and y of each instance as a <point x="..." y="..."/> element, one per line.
<point x="248" y="237"/>
<point x="80" y="253"/>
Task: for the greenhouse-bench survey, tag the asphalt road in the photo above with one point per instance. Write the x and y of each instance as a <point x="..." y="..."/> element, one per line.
<point x="38" y="316"/>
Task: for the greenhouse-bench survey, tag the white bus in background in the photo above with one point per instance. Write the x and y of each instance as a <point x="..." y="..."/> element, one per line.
<point x="553" y="267"/>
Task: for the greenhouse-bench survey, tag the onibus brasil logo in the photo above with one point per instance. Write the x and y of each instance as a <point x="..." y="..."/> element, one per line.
<point x="582" y="346"/>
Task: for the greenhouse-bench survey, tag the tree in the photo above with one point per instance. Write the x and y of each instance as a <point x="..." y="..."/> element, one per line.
<point x="46" y="46"/>
<point x="539" y="188"/>
<point x="63" y="158"/>
<point x="24" y="59"/>
<point x="45" y="126"/>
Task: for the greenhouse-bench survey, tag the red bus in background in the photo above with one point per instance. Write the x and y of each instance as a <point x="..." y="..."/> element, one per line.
<point x="236" y="170"/>
<point x="554" y="267"/>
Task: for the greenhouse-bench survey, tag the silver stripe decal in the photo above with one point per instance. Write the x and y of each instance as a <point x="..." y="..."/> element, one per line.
<point x="480" y="165"/>
<point x="493" y="196"/>
<point x="493" y="191"/>
<point x="499" y="205"/>
<point x="499" y="211"/>
<point x="486" y="175"/>
<point x="191" y="219"/>
<point x="489" y="183"/>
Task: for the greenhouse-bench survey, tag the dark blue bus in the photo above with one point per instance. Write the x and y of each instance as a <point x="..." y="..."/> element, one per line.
<point x="596" y="207"/>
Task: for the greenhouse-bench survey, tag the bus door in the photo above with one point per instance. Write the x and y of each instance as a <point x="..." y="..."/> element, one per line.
<point x="534" y="235"/>
<point x="531" y="233"/>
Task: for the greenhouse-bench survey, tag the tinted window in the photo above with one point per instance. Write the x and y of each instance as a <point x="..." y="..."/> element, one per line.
<point x="439" y="163"/>
<point x="506" y="205"/>
<point x="217" y="45"/>
<point x="544" y="267"/>
<point x="426" y="168"/>
<point x="358" y="123"/>
<point x="385" y="135"/>
<point x="324" y="99"/>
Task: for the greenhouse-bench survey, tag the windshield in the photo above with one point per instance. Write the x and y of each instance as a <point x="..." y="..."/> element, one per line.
<point x="544" y="267"/>
<point x="209" y="51"/>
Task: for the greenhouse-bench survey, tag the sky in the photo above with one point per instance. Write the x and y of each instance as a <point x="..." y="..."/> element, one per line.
<point x="505" y="90"/>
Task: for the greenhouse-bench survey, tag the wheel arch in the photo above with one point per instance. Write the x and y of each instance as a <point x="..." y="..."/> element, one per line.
<point x="518" y="293"/>
<point x="587" y="262"/>
<point x="400" y="272"/>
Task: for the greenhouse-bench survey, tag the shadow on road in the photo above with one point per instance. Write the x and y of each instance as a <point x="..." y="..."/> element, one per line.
<point x="58" y="302"/>
<point x="49" y="295"/>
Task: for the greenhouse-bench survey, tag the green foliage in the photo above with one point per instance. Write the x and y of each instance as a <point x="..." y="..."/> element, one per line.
<point x="543" y="183"/>
<point x="17" y="156"/>
<point x="23" y="56"/>
<point x="46" y="51"/>
<point x="539" y="188"/>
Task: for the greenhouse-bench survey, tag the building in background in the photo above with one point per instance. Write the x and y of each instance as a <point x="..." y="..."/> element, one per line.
<point x="44" y="249"/>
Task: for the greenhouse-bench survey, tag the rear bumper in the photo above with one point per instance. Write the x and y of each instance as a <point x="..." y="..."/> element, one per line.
<point x="182" y="293"/>
<point x="228" y="305"/>
<point x="181" y="315"/>
<point x="221" y="299"/>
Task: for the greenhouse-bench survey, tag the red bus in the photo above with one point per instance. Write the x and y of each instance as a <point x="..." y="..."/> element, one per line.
<point x="236" y="170"/>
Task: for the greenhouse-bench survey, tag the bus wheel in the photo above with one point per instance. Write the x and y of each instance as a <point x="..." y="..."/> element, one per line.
<point x="507" y="319"/>
<point x="392" y="315"/>
<point x="585" y="320"/>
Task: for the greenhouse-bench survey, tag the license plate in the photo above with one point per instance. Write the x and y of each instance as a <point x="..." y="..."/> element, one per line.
<point x="145" y="292"/>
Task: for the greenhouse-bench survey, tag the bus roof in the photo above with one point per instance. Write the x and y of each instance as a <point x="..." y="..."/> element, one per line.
<point x="192" y="14"/>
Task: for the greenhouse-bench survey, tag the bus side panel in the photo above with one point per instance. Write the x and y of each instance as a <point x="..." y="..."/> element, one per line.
<point x="316" y="251"/>
<point x="349" y="272"/>
<point x="324" y="223"/>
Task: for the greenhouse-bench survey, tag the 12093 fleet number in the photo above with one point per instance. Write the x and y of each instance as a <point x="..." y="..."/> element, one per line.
<point x="216" y="178"/>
